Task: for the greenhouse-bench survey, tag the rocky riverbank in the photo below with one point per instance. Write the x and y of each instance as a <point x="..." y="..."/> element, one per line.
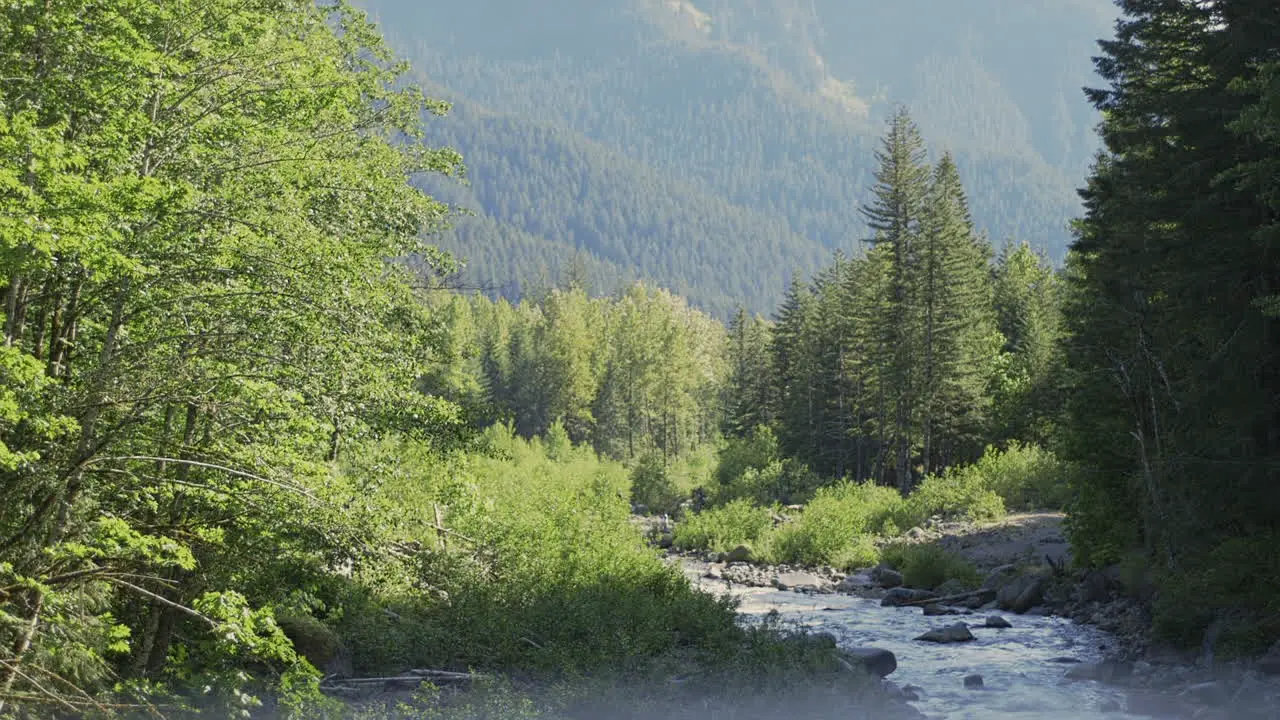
<point x="1024" y="565"/>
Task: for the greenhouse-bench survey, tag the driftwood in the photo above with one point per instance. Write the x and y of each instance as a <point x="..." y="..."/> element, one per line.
<point x="409" y="676"/>
<point x="950" y="598"/>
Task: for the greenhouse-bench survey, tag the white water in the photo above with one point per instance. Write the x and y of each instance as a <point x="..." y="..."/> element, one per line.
<point x="1020" y="681"/>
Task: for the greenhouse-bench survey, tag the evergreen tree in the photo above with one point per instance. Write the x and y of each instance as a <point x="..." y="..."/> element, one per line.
<point x="796" y="372"/>
<point x="895" y="214"/>
<point x="747" y="402"/>
<point x="1173" y="350"/>
<point x="959" y="340"/>
<point x="1027" y="301"/>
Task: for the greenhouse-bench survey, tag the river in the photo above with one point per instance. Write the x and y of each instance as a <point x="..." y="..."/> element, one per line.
<point x="1022" y="667"/>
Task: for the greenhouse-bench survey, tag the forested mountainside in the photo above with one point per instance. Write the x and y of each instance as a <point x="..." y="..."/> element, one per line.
<point x="713" y="147"/>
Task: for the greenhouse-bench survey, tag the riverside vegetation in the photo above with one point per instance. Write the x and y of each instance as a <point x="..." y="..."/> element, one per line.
<point x="249" y="438"/>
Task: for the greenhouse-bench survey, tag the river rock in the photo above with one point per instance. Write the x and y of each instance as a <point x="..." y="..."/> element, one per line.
<point x="801" y="582"/>
<point x="995" y="621"/>
<point x="900" y="596"/>
<point x="999" y="577"/>
<point x="933" y="610"/>
<point x="949" y="634"/>
<point x="885" y="576"/>
<point x="741" y="553"/>
<point x="1022" y="594"/>
<point x="855" y="583"/>
<point x="973" y="682"/>
<point x="951" y="587"/>
<point x="1154" y="704"/>
<point x="877" y="661"/>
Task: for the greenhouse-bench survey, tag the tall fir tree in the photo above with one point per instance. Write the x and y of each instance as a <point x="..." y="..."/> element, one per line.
<point x="747" y="401"/>
<point x="959" y="338"/>
<point x="895" y="214"/>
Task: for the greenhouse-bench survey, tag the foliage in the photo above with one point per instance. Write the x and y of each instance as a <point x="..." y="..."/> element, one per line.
<point x="652" y="487"/>
<point x="722" y="528"/>
<point x="197" y="205"/>
<point x="1228" y="594"/>
<point x="831" y="528"/>
<point x="633" y="374"/>
<point x="545" y="572"/>
<point x="957" y="494"/>
<point x="924" y="565"/>
<point x="1026" y="477"/>
<point x="1172" y="350"/>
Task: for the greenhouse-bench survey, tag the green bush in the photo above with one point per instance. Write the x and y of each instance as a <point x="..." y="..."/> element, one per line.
<point x="835" y="528"/>
<point x="545" y="571"/>
<point x="788" y="482"/>
<point x="1027" y="477"/>
<point x="1237" y="584"/>
<point x="741" y="454"/>
<point x="959" y="493"/>
<point x="720" y="529"/>
<point x="653" y="487"/>
<point x="928" y="566"/>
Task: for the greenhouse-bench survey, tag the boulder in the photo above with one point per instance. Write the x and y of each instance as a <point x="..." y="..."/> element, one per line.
<point x="933" y="610"/>
<point x="995" y="621"/>
<point x="999" y="577"/>
<point x="949" y="634"/>
<point x="666" y="540"/>
<point x="951" y="587"/>
<point x="973" y="682"/>
<point x="876" y="661"/>
<point x="854" y="583"/>
<point x="901" y="596"/>
<point x="911" y="692"/>
<point x="885" y="576"/>
<point x="741" y="553"/>
<point x="800" y="582"/>
<point x="1022" y="594"/>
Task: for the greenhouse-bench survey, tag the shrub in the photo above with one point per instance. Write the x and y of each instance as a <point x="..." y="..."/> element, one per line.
<point x="1235" y="584"/>
<point x="545" y="571"/>
<point x="741" y="454"/>
<point x="788" y="482"/>
<point x="1027" y="477"/>
<point x="928" y="566"/>
<point x="958" y="493"/>
<point x="720" y="529"/>
<point x="653" y="487"/>
<point x="834" y="528"/>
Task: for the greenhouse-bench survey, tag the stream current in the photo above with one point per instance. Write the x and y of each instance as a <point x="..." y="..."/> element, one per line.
<point x="1022" y="667"/>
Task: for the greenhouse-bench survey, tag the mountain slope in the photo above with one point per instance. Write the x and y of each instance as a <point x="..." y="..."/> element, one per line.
<point x="764" y="111"/>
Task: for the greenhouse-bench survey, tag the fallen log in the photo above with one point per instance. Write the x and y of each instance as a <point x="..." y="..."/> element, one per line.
<point x="989" y="594"/>
<point x="408" y="676"/>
